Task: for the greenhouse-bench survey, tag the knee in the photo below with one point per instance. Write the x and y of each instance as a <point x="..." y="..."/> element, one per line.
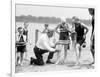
<point x="77" y="45"/>
<point x="41" y="63"/>
<point x="18" y="54"/>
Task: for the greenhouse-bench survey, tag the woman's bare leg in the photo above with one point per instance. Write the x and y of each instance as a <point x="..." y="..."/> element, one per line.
<point x="25" y="53"/>
<point x="18" y="58"/>
<point x="65" y="53"/>
<point x="77" y="54"/>
<point x="58" y="57"/>
<point x="59" y="54"/>
<point x="21" y="57"/>
<point x="75" y="50"/>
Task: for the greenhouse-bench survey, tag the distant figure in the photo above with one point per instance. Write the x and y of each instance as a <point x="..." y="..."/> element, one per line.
<point x="92" y="13"/>
<point x="42" y="46"/>
<point x="63" y="36"/>
<point x="37" y="32"/>
<point x="81" y="31"/>
<point x="46" y="28"/>
<point x="25" y="32"/>
<point x="21" y="45"/>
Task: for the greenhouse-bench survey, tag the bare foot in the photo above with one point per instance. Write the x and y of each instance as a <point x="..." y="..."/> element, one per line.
<point x="77" y="64"/>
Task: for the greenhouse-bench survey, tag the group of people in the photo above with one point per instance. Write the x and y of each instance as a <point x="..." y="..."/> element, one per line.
<point x="45" y="45"/>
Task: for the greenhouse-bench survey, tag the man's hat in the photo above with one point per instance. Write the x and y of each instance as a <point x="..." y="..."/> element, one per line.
<point x="50" y="30"/>
<point x="46" y="25"/>
<point x="20" y="28"/>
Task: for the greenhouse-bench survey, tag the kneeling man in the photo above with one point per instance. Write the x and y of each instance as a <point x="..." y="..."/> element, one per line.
<point x="42" y="46"/>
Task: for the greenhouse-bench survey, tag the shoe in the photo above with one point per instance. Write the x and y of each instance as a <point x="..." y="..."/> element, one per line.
<point x="21" y="64"/>
<point x="31" y="61"/>
<point x="84" y="45"/>
<point x="49" y="62"/>
<point x="91" y="64"/>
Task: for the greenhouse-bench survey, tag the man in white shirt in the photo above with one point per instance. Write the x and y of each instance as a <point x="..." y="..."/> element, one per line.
<point x="44" y="45"/>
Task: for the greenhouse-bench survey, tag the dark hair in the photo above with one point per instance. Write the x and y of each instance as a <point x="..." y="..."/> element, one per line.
<point x="91" y="9"/>
<point x="46" y="25"/>
<point x="75" y="18"/>
<point x="20" y="28"/>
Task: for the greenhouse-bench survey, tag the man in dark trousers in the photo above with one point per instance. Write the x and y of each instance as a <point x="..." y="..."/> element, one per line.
<point x="42" y="46"/>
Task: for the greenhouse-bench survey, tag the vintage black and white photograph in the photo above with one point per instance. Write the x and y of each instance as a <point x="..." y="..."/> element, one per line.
<point x="54" y="38"/>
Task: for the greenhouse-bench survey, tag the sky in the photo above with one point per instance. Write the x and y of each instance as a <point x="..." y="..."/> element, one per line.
<point x="68" y="12"/>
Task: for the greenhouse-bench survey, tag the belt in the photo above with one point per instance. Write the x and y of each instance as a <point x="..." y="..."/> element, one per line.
<point x="38" y="48"/>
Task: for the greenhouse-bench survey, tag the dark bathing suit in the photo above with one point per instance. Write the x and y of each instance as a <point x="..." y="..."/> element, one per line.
<point x="93" y="40"/>
<point x="80" y="32"/>
<point x="92" y="33"/>
<point x="21" y="46"/>
<point x="25" y="32"/>
<point x="64" y="35"/>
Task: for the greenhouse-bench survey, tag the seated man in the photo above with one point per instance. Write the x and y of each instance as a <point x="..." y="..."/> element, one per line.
<point x="43" y="45"/>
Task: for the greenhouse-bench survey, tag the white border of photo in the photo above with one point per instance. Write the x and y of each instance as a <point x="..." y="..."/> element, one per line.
<point x="65" y="73"/>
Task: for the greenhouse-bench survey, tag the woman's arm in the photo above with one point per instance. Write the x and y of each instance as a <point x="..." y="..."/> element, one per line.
<point x="67" y="27"/>
<point x="57" y="28"/>
<point x="85" y="27"/>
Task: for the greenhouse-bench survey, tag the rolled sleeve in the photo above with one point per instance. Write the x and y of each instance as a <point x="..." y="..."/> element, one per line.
<point x="48" y="47"/>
